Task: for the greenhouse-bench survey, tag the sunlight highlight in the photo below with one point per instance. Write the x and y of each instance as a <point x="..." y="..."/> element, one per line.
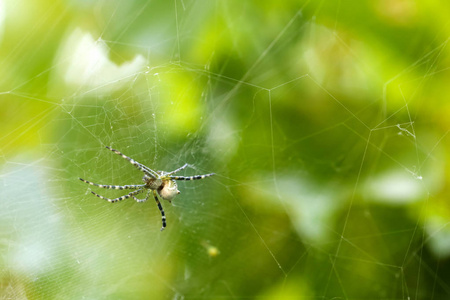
<point x="84" y="63"/>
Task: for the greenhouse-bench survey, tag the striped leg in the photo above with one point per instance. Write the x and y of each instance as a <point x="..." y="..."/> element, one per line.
<point x="115" y="187"/>
<point x="142" y="200"/>
<point x="177" y="170"/>
<point x="120" y="198"/>
<point x="163" y="215"/>
<point x="195" y="177"/>
<point x="138" y="165"/>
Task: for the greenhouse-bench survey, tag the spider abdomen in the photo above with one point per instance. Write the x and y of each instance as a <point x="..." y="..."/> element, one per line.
<point x="169" y="190"/>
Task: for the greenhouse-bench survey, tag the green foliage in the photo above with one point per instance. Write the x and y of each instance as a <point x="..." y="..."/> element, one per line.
<point x="326" y="123"/>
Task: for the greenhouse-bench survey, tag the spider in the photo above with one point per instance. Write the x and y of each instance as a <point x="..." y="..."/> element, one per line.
<point x="155" y="182"/>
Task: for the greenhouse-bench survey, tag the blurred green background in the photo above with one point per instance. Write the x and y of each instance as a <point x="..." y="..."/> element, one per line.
<point x="326" y="123"/>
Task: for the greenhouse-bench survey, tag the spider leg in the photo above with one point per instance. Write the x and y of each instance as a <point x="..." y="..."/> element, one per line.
<point x="115" y="187"/>
<point x="177" y="170"/>
<point x="195" y="177"/>
<point x="163" y="215"/>
<point x="138" y="165"/>
<point x="120" y="198"/>
<point x="142" y="200"/>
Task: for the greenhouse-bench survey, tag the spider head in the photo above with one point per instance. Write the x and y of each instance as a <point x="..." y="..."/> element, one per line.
<point x="153" y="183"/>
<point x="169" y="190"/>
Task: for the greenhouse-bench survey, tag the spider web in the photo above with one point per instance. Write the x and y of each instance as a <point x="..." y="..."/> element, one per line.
<point x="325" y="124"/>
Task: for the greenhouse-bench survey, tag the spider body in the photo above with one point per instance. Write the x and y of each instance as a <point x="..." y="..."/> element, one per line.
<point x="158" y="183"/>
<point x="167" y="188"/>
<point x="153" y="183"/>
